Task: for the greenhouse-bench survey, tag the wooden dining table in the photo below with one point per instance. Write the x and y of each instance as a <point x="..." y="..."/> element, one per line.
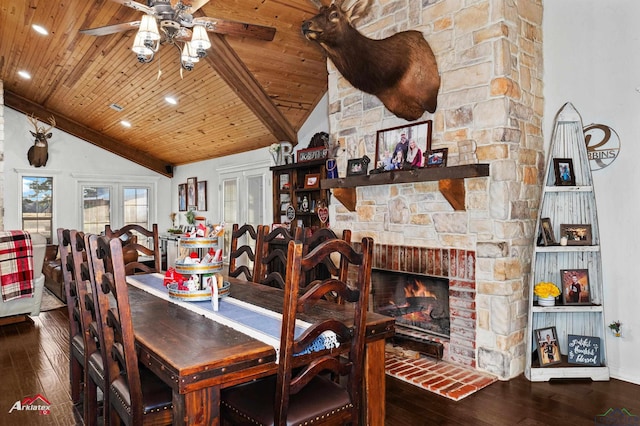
<point x="197" y="356"/>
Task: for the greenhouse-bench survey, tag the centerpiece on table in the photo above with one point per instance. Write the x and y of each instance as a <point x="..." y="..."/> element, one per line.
<point x="547" y="293"/>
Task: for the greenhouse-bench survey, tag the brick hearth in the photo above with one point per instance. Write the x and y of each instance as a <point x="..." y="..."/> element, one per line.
<point x="446" y="379"/>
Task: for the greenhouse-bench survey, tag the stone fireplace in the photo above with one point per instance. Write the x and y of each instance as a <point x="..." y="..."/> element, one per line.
<point x="490" y="107"/>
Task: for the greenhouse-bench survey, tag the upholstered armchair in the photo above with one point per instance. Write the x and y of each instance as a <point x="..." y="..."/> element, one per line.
<point x="27" y="305"/>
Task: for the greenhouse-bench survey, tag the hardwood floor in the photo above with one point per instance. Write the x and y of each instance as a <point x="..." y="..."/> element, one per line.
<point x="34" y="359"/>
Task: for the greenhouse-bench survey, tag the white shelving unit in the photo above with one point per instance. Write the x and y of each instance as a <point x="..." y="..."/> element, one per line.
<point x="567" y="205"/>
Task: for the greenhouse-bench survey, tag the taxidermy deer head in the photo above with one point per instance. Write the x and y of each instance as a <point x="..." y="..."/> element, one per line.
<point x="39" y="153"/>
<point x="400" y="70"/>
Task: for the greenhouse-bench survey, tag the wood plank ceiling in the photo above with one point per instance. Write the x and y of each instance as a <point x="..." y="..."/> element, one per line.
<point x="246" y="94"/>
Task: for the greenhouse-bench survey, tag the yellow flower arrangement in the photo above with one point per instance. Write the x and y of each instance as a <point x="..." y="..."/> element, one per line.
<point x="544" y="290"/>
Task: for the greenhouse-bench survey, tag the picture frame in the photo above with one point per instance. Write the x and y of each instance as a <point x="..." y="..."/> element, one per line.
<point x="546" y="233"/>
<point x="577" y="235"/>
<point x="584" y="350"/>
<point x="182" y="197"/>
<point x="202" y="195"/>
<point x="312" y="180"/>
<point x="192" y="188"/>
<point x="575" y="286"/>
<point x="356" y="167"/>
<point x="389" y="141"/>
<point x="563" y="168"/>
<point x="284" y="182"/>
<point x="436" y="158"/>
<point x="547" y="346"/>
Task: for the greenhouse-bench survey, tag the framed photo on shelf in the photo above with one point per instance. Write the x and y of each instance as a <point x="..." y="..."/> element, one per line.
<point x="575" y="286"/>
<point x="436" y="158"/>
<point x="182" y="197"/>
<point x="284" y="182"/>
<point x="312" y="180"/>
<point x="202" y="195"/>
<point x="563" y="168"/>
<point x="392" y="145"/>
<point x="192" y="184"/>
<point x="546" y="233"/>
<point x="356" y="167"/>
<point x="577" y="235"/>
<point x="547" y="345"/>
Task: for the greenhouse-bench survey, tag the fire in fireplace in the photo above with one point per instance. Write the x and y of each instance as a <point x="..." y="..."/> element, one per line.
<point x="418" y="302"/>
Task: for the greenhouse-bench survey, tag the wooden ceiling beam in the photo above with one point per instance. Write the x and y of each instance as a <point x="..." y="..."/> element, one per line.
<point x="76" y="129"/>
<point x="224" y="60"/>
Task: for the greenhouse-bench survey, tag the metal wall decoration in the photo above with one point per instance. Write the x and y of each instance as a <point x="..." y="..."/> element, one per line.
<point x="603" y="145"/>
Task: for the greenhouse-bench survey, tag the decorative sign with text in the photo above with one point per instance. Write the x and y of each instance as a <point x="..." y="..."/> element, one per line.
<point x="584" y="350"/>
<point x="603" y="145"/>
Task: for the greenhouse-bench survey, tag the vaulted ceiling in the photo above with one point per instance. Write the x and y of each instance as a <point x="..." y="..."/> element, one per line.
<point x="246" y="94"/>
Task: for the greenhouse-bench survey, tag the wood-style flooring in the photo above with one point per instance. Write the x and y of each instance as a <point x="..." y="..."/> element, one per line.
<point x="34" y="359"/>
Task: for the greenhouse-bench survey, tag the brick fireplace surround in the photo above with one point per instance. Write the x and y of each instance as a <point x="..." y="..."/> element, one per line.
<point x="458" y="266"/>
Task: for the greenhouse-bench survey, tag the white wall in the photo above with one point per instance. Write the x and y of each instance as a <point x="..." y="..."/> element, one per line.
<point x="592" y="59"/>
<point x="70" y="159"/>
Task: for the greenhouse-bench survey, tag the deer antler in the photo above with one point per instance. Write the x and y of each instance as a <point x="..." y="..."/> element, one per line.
<point x="33" y="120"/>
<point x="52" y="121"/>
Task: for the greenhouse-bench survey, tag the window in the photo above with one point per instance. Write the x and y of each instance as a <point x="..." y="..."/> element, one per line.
<point x="37" y="200"/>
<point x="96" y="208"/>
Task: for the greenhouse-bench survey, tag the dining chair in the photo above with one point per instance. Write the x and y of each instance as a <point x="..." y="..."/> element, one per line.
<point x="271" y="255"/>
<point x="240" y="257"/>
<point x="134" y="265"/>
<point x="76" y="340"/>
<point x="302" y="392"/>
<point x="94" y="370"/>
<point x="136" y="395"/>
<point x="328" y="266"/>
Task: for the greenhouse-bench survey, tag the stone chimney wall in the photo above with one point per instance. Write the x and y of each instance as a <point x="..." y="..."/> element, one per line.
<point x="489" y="55"/>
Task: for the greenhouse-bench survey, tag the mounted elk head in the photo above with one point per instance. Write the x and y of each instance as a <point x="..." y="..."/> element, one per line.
<point x="39" y="153"/>
<point x="400" y="70"/>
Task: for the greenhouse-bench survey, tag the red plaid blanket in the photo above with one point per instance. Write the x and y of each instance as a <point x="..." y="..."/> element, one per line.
<point x="16" y="265"/>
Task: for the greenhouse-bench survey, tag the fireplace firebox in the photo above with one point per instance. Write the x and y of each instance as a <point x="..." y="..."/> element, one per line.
<point x="417" y="302"/>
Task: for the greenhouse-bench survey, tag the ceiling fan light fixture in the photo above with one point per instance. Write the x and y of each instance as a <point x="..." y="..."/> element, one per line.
<point x="200" y="40"/>
<point x="188" y="57"/>
<point x="149" y="28"/>
<point x="145" y="53"/>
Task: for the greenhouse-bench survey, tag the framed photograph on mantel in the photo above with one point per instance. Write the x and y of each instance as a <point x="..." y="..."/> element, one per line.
<point x="392" y="145"/>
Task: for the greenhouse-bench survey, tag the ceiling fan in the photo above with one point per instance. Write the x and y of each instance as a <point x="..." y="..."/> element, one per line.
<point x="177" y="27"/>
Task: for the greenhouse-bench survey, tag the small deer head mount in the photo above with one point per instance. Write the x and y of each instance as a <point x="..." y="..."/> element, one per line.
<point x="39" y="153"/>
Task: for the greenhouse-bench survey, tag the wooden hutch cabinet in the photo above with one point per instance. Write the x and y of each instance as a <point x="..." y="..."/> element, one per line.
<point x="297" y="196"/>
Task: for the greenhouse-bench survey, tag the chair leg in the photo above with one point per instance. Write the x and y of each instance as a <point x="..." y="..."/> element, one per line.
<point x="90" y="403"/>
<point x="76" y="375"/>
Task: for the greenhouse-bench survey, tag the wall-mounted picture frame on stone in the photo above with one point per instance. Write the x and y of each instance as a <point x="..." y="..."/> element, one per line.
<point x="392" y="145"/>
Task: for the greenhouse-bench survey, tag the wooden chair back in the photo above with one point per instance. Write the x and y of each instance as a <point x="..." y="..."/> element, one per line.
<point x="76" y="340"/>
<point x="296" y="371"/>
<point x="126" y="400"/>
<point x="135" y="267"/>
<point x="328" y="267"/>
<point x="271" y="255"/>
<point x="242" y="258"/>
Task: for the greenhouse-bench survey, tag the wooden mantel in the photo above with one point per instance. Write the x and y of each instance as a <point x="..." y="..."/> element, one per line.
<point x="450" y="182"/>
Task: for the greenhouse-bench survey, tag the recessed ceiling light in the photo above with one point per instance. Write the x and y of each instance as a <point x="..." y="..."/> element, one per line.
<point x="24" y="75"/>
<point x="40" y="29"/>
<point x="171" y="100"/>
<point x="125" y="123"/>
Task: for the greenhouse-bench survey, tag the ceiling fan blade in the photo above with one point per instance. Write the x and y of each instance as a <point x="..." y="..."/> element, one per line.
<point x="192" y="4"/>
<point x="223" y="26"/>
<point x="111" y="29"/>
<point x="135" y="5"/>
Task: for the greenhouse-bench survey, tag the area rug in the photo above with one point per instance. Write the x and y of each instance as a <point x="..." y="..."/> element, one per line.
<point x="50" y="301"/>
<point x="443" y="378"/>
